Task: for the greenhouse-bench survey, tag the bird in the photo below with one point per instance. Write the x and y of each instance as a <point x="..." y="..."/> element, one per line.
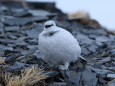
<point x="58" y="46"/>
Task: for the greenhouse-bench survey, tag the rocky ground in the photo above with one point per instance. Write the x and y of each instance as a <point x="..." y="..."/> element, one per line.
<point x="19" y="30"/>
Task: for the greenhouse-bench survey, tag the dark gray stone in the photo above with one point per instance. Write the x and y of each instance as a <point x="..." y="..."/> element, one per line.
<point x="102" y="39"/>
<point x="57" y="84"/>
<point x="51" y="73"/>
<point x="105" y="60"/>
<point x="91" y="79"/>
<point x="20" y="12"/>
<point x="101" y="71"/>
<point x="37" y="54"/>
<point x="7" y="41"/>
<point x="111" y="76"/>
<point x="92" y="48"/>
<point x="11" y="35"/>
<point x="98" y="32"/>
<point x="32" y="47"/>
<point x="40" y="13"/>
<point x="34" y="33"/>
<point x="110" y="44"/>
<point x="100" y="44"/>
<point x="12" y="28"/>
<point x="3" y="9"/>
<point x="112" y="68"/>
<point x="112" y="52"/>
<point x="17" y="66"/>
<point x="23" y="21"/>
<point x="74" y="79"/>
<point x="84" y="51"/>
<point x="111" y="83"/>
<point x="83" y="39"/>
<point x="32" y="41"/>
<point x="12" y="57"/>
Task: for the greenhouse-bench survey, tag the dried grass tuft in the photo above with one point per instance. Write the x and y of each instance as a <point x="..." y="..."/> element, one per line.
<point x="28" y="77"/>
<point x="2" y="60"/>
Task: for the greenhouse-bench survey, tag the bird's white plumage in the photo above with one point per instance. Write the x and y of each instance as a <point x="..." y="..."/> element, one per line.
<point x="60" y="48"/>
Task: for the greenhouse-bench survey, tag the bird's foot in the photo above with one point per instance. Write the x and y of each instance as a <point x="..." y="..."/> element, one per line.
<point x="64" y="67"/>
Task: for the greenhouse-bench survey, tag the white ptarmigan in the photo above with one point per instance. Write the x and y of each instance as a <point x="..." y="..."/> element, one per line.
<point x="57" y="46"/>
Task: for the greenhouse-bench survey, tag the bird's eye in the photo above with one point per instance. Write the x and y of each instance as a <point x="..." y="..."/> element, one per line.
<point x="47" y="26"/>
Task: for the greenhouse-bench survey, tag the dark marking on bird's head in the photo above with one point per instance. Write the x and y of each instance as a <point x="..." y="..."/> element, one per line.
<point x="49" y="24"/>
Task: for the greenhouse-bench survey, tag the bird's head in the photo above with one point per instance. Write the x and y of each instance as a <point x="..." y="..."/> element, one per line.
<point x="49" y="24"/>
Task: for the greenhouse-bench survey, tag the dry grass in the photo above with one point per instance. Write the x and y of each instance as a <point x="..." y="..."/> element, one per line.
<point x="28" y="77"/>
<point x="2" y="60"/>
<point x="79" y="14"/>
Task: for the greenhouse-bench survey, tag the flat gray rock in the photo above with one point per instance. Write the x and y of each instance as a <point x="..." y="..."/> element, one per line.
<point x="34" y="32"/>
<point x="100" y="71"/>
<point x="12" y="28"/>
<point x="111" y="76"/>
<point x="111" y="83"/>
<point x="23" y="21"/>
<point x="91" y="79"/>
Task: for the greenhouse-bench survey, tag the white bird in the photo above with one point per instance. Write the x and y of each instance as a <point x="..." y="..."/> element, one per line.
<point x="58" y="46"/>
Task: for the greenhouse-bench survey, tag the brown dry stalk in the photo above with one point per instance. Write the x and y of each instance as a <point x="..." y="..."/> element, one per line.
<point x="2" y="60"/>
<point x="28" y="76"/>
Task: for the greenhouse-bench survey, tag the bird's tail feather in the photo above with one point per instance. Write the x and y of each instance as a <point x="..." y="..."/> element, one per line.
<point x="82" y="58"/>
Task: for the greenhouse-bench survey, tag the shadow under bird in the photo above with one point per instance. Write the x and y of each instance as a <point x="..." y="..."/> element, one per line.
<point x="58" y="46"/>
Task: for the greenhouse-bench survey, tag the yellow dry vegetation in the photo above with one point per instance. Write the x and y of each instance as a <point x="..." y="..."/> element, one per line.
<point x="28" y="77"/>
<point x="2" y="60"/>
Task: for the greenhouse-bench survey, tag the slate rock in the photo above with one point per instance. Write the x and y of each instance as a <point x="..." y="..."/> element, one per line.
<point x="98" y="32"/>
<point x="32" y="41"/>
<point x="102" y="39"/>
<point x="111" y="68"/>
<point x="112" y="37"/>
<point x="74" y="79"/>
<point x="112" y="52"/>
<point x="85" y="51"/>
<point x="12" y="28"/>
<point x="37" y="54"/>
<point x="1" y="25"/>
<point x="101" y="71"/>
<point x="89" y="78"/>
<point x="111" y="76"/>
<point x="40" y="13"/>
<point x="51" y="73"/>
<point x="1" y="31"/>
<point x="12" y="57"/>
<point x="34" y="32"/>
<point x="31" y="60"/>
<point x="92" y="48"/>
<point x="33" y="47"/>
<point x="57" y="84"/>
<point x="2" y="49"/>
<point x="111" y="83"/>
<point x="64" y="25"/>
<point x="92" y="36"/>
<point x="83" y="39"/>
<point x="105" y="60"/>
<point x="24" y="21"/>
<point x="8" y="48"/>
<point x="20" y="12"/>
<point x="17" y="66"/>
<point x="100" y="44"/>
<point x="11" y="35"/>
<point x="6" y="41"/>
<point x="110" y="44"/>
<point x="3" y="9"/>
